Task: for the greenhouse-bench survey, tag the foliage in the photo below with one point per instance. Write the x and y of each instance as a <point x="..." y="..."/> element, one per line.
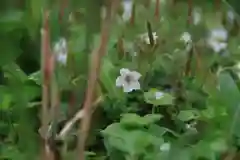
<point x="183" y="92"/>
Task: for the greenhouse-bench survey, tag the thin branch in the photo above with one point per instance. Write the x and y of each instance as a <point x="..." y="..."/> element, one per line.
<point x="95" y="66"/>
<point x="157" y="10"/>
<point x="189" y="62"/>
<point x="150" y="34"/>
<point x="218" y="5"/>
<point x="133" y="14"/>
<point x="190" y="9"/>
<point x="79" y="115"/>
<point x="63" y="6"/>
<point x="46" y="70"/>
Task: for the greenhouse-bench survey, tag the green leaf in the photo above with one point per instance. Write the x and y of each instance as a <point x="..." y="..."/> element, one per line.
<point x="151" y="118"/>
<point x="229" y="95"/>
<point x="13" y="71"/>
<point x="108" y="80"/>
<point x="131" y="142"/>
<point x="25" y="93"/>
<point x="219" y="145"/>
<point x="134" y="120"/>
<point x="131" y="119"/>
<point x="11" y="20"/>
<point x="157" y="130"/>
<point x="165" y="99"/>
<point x="186" y="115"/>
<point x="229" y="92"/>
<point x="36" y="77"/>
<point x="10" y="51"/>
<point x="5" y="102"/>
<point x="179" y="153"/>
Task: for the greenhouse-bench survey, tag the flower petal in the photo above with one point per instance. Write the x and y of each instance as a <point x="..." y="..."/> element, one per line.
<point x="127" y="88"/>
<point x="63" y="42"/>
<point x="120" y="81"/>
<point x="147" y="41"/>
<point x="219" y="34"/>
<point x="159" y="95"/>
<point x="186" y="37"/>
<point x="217" y="46"/>
<point x="124" y="71"/>
<point x="165" y="147"/>
<point x="127" y="6"/>
<point x="135" y="75"/>
<point x="135" y="85"/>
<point x="197" y="16"/>
<point x="62" y="58"/>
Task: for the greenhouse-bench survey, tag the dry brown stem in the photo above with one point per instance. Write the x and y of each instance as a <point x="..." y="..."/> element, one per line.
<point x="95" y="66"/>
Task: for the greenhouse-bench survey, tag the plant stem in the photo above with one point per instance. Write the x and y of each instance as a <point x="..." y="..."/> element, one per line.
<point x="157" y="10"/>
<point x="132" y="19"/>
<point x="46" y="72"/>
<point x="190" y="9"/>
<point x="95" y="66"/>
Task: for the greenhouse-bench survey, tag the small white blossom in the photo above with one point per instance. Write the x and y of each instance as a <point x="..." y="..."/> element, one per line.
<point x="197" y="16"/>
<point x="128" y="80"/>
<point x="60" y="50"/>
<point x="159" y="95"/>
<point x="165" y="147"/>
<point x="146" y="39"/>
<point x="188" y="126"/>
<point x="62" y="58"/>
<point x="191" y="126"/>
<point x="186" y="37"/>
<point x="127" y="7"/>
<point x="217" y="39"/>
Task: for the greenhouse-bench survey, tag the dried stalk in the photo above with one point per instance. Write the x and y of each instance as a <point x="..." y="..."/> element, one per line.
<point x="46" y="60"/>
<point x="93" y="76"/>
<point x="133" y="14"/>
<point x="120" y="47"/>
<point x="79" y="115"/>
<point x="63" y="6"/>
<point x="218" y="5"/>
<point x="190" y="9"/>
<point x="157" y="10"/>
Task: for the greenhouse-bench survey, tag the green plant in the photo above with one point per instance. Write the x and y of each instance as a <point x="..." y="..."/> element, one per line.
<point x="162" y="81"/>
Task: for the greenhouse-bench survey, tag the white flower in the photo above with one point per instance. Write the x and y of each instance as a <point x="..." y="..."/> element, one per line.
<point x="165" y="147"/>
<point x="188" y="126"/>
<point x="159" y="95"/>
<point x="62" y="58"/>
<point x="186" y="37"/>
<point x="197" y="16"/>
<point x="220" y="34"/>
<point x="217" y="39"/>
<point x="191" y="126"/>
<point x="128" y="80"/>
<point x="60" y="50"/>
<point x="217" y="46"/>
<point x="146" y="39"/>
<point x="127" y="7"/>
